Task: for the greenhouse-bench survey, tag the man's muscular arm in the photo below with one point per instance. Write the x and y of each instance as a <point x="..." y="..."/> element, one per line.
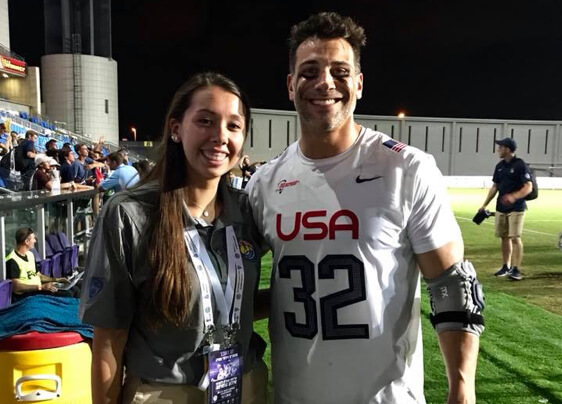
<point x="459" y="348"/>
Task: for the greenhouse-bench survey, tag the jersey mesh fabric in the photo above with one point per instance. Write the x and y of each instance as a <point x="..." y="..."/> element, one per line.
<point x="345" y="314"/>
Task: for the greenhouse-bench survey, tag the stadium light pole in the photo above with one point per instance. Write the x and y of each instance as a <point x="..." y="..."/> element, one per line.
<point x="134" y="130"/>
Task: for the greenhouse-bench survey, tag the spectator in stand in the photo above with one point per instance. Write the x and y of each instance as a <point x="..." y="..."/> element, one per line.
<point x="96" y="173"/>
<point x="93" y="154"/>
<point x="125" y="153"/>
<point x="13" y="139"/>
<point x="123" y="176"/>
<point x="51" y="149"/>
<point x="42" y="179"/>
<point x="21" y="270"/>
<point x="99" y="145"/>
<point x="83" y="164"/>
<point x="143" y="167"/>
<point x="4" y="140"/>
<point x="66" y="157"/>
<point x="51" y="145"/>
<point x="25" y="157"/>
<point x="235" y="182"/>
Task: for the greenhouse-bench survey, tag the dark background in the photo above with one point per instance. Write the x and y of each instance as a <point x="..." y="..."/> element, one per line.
<point x="469" y="59"/>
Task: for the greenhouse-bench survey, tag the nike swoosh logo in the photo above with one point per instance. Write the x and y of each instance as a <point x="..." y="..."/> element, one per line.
<point x="359" y="180"/>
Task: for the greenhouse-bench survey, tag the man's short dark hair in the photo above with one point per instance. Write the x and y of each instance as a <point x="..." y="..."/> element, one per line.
<point x="117" y="157"/>
<point x="327" y="25"/>
<point x="50" y="142"/>
<point x="63" y="154"/>
<point x="22" y="234"/>
<point x="3" y="125"/>
<point x="78" y="147"/>
<point x="29" y="134"/>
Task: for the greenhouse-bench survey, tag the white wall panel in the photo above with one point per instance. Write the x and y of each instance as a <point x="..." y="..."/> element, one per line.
<point x="460" y="146"/>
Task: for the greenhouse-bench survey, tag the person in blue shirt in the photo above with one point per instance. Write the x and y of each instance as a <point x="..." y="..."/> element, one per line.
<point x="66" y="159"/>
<point x="67" y="175"/>
<point x="25" y="157"/>
<point x="512" y="183"/>
<point x="83" y="164"/>
<point x="123" y="176"/>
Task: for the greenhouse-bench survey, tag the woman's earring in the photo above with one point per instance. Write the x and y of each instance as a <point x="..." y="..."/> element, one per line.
<point x="175" y="138"/>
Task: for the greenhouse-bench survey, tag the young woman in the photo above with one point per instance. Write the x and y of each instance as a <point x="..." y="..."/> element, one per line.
<point x="168" y="290"/>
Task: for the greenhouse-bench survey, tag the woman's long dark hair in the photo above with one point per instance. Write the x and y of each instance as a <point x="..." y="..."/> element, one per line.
<point x="170" y="267"/>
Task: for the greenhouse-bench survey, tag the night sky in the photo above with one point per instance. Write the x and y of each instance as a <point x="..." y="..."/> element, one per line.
<point x="470" y="59"/>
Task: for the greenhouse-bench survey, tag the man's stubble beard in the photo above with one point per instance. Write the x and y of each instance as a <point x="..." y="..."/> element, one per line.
<point x="326" y="123"/>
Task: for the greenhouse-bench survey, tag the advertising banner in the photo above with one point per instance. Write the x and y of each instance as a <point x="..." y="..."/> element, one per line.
<point x="13" y="66"/>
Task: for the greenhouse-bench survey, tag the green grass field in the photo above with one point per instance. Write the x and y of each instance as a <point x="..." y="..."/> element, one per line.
<point x="521" y="350"/>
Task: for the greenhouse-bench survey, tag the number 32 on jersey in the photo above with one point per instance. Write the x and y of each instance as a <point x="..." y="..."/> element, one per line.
<point x="329" y="305"/>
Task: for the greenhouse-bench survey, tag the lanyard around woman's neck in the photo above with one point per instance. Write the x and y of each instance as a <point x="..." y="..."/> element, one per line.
<point x="228" y="302"/>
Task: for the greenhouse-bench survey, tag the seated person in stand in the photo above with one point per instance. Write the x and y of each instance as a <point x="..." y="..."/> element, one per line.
<point x="67" y="174"/>
<point x="122" y="177"/>
<point x="42" y="178"/>
<point x="143" y="167"/>
<point x="21" y="270"/>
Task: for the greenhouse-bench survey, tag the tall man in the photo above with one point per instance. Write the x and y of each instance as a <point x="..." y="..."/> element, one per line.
<point x="512" y="180"/>
<point x="349" y="214"/>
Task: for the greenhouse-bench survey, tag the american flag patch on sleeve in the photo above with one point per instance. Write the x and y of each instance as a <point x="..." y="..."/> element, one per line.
<point x="394" y="145"/>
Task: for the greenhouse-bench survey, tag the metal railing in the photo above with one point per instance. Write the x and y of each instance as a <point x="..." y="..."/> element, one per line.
<point x="34" y="209"/>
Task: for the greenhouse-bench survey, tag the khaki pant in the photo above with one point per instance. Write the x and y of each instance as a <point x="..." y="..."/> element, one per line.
<point x="254" y="387"/>
<point x="509" y="224"/>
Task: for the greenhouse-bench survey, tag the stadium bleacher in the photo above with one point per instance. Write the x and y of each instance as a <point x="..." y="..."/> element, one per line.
<point x="46" y="129"/>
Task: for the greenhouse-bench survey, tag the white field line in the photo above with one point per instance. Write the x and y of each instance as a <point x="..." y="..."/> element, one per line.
<point x="543" y="220"/>
<point x="524" y="229"/>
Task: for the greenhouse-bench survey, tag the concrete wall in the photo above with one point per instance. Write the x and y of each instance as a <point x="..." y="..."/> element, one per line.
<point x="24" y="90"/>
<point x="270" y="133"/>
<point x="460" y="146"/>
<point x="4" y="24"/>
<point x="12" y="106"/>
<point x="99" y="89"/>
